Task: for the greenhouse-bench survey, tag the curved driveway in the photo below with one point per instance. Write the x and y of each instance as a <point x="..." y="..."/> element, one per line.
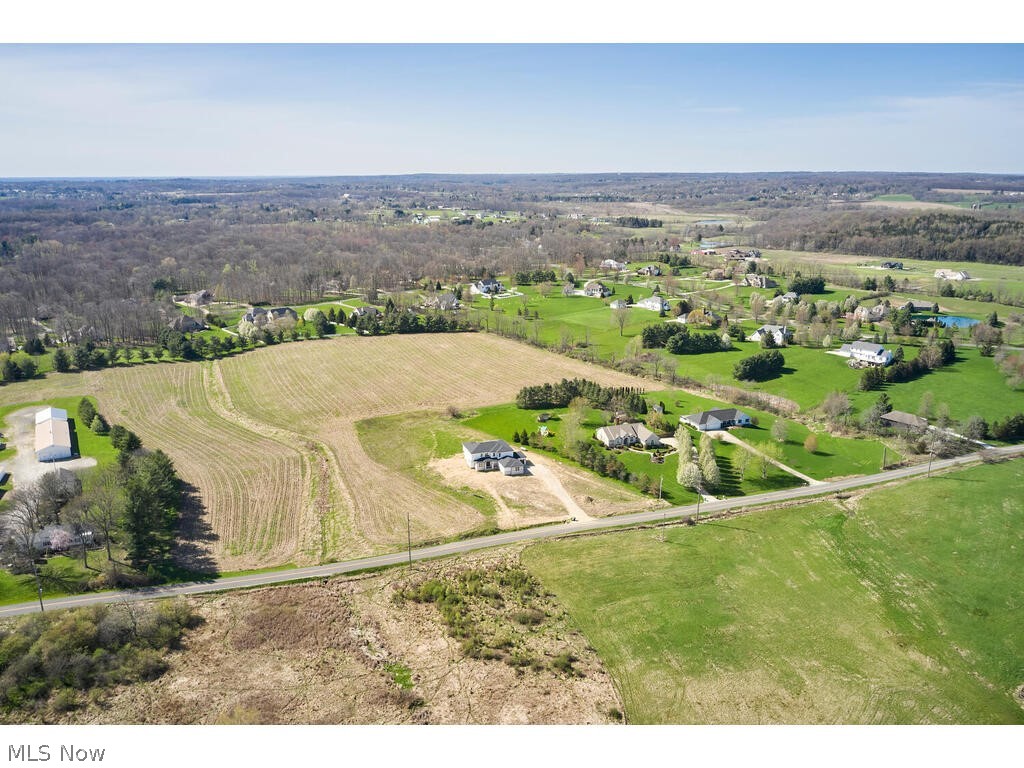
<point x="510" y="537"/>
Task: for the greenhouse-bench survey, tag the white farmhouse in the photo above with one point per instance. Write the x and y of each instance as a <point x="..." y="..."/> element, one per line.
<point x="780" y="333"/>
<point x="866" y="352"/>
<point x="596" y="289"/>
<point x="654" y="303"/>
<point x="487" y="455"/>
<point x="53" y="435"/>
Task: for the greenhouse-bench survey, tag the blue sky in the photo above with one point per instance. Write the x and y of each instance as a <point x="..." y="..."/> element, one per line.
<point x="165" y="110"/>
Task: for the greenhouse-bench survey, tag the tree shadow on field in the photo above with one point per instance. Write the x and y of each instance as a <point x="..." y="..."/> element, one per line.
<point x="193" y="547"/>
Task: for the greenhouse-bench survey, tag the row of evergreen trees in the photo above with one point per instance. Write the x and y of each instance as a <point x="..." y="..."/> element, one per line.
<point x="559" y="395"/>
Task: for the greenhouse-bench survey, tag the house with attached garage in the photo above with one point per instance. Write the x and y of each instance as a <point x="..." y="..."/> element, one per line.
<point x="755" y="280"/>
<point x="654" y="303"/>
<point x="781" y="334"/>
<point x="596" y="289"/>
<point x="618" y="266"/>
<point x="720" y="418"/>
<point x="487" y="286"/>
<point x="621" y="435"/>
<point x="865" y="352"/>
<point x="488" y="455"/>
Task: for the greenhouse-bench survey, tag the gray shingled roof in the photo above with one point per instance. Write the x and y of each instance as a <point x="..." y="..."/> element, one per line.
<point x="488" y="446"/>
<point x="909" y="419"/>
<point x="867" y="346"/>
<point x="722" y="414"/>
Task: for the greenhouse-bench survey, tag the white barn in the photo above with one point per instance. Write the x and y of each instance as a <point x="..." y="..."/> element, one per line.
<point x="53" y="435"/>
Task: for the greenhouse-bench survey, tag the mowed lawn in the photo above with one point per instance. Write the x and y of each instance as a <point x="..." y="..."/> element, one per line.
<point x="902" y="606"/>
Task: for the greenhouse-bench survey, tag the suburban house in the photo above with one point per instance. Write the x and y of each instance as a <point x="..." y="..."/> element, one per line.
<point x="621" y="435"/>
<point x="366" y="312"/>
<point x="59" y="538"/>
<point x="487" y="455"/>
<point x="919" y="306"/>
<point x="186" y="324"/>
<point x="618" y="304"/>
<point x="596" y="289"/>
<point x="443" y="301"/>
<point x="892" y="265"/>
<point x="870" y="314"/>
<point x="514" y="466"/>
<point x="654" y="303"/>
<point x="755" y="280"/>
<point x="906" y="422"/>
<point x="787" y="298"/>
<point x="281" y="313"/>
<point x="257" y="316"/>
<point x="866" y="352"/>
<point x="652" y="270"/>
<point x="53" y="435"/>
<point x="196" y="299"/>
<point x="487" y="286"/>
<point x="720" y="418"/>
<point x="780" y="333"/>
<point x="951" y="274"/>
<point x="618" y="266"/>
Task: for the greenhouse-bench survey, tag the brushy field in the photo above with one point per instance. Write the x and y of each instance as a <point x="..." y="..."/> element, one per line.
<point x="898" y="606"/>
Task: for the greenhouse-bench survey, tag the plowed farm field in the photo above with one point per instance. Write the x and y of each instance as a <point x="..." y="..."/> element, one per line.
<point x="268" y="441"/>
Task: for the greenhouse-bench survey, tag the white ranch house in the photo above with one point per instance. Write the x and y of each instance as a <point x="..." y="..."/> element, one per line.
<point x="618" y="266"/>
<point x="866" y="352"/>
<point x="596" y="289"/>
<point x="620" y="435"/>
<point x="720" y="418"/>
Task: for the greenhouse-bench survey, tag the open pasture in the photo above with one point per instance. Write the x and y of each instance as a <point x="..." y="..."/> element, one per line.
<point x="898" y="606"/>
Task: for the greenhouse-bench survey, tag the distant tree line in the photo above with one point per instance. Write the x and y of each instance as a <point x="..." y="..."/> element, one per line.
<point x="939" y="236"/>
<point x="638" y="222"/>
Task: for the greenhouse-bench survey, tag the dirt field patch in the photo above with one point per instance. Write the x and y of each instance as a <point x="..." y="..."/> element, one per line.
<point x="345" y="651"/>
<point x="521" y="501"/>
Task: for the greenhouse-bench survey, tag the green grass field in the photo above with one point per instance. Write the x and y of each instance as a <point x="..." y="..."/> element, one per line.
<point x="89" y="443"/>
<point x="406" y="442"/>
<point x="902" y="606"/>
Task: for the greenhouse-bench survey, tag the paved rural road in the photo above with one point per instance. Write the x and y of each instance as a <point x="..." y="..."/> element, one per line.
<point x="511" y="537"/>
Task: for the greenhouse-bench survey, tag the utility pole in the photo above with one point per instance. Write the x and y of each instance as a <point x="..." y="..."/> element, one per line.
<point x="39" y="585"/>
<point x="408" y="533"/>
<point x="883" y="458"/>
<point x="930" y="457"/>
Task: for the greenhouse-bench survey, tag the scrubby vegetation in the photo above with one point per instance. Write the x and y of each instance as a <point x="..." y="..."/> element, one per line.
<point x="497" y="613"/>
<point x="56" y="659"/>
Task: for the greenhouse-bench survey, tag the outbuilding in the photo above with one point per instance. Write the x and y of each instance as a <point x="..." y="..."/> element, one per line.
<point x="53" y="435"/>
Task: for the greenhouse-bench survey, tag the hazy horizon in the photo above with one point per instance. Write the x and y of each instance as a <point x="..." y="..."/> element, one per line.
<point x="300" y="111"/>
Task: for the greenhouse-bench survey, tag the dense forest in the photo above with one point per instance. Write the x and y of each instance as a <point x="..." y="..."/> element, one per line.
<point x="992" y="237"/>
